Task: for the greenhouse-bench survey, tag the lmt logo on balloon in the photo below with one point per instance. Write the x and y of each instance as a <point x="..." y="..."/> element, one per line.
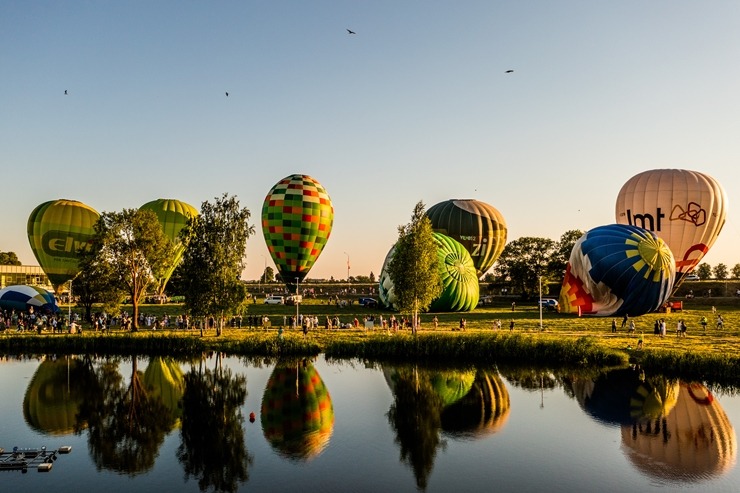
<point x="64" y="243"/>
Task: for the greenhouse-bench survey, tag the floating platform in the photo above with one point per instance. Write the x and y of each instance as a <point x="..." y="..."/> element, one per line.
<point x="23" y="459"/>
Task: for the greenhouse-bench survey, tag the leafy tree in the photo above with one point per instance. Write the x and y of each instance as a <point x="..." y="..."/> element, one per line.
<point x="361" y="279"/>
<point x="720" y="271"/>
<point x="704" y="271"/>
<point x="135" y="251"/>
<point x="268" y="275"/>
<point x="563" y="248"/>
<point x="214" y="259"/>
<point x="736" y="271"/>
<point x="96" y="283"/>
<point x="371" y="277"/>
<point x="9" y="258"/>
<point x="414" y="268"/>
<point x="525" y="260"/>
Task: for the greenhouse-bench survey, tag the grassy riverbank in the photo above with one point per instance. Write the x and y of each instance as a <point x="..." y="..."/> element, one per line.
<point x="563" y="340"/>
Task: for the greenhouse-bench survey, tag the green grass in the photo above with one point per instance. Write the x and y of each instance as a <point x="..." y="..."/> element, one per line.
<point x="562" y="340"/>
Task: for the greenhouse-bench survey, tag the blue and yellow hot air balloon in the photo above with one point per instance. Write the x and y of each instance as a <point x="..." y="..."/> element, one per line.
<point x="58" y="231"/>
<point x="22" y="298"/>
<point x="173" y="215"/>
<point x="617" y="270"/>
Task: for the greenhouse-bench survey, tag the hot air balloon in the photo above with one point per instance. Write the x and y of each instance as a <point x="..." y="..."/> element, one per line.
<point x="617" y="270"/>
<point x="385" y="284"/>
<point x="480" y="228"/>
<point x="692" y="441"/>
<point x="685" y="208"/>
<point x="22" y="297"/>
<point x="58" y="230"/>
<point x="54" y="396"/>
<point x="173" y="215"/>
<point x="297" y="414"/>
<point x="297" y="216"/>
<point x="460" y="288"/>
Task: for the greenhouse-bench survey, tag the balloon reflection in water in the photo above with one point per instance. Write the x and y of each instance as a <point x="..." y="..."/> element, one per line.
<point x="53" y="397"/>
<point x="693" y="441"/>
<point x="483" y="410"/>
<point x="297" y="413"/>
<point x="163" y="379"/>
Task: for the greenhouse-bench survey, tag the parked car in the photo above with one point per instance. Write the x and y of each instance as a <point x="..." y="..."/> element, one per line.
<point x="691" y="277"/>
<point x="549" y="303"/>
<point x="368" y="302"/>
<point x="274" y="299"/>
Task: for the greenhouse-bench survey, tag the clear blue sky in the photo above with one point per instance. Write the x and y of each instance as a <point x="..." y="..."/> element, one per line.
<point x="415" y="106"/>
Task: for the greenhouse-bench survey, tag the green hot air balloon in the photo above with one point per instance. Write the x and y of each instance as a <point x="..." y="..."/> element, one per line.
<point x="460" y="289"/>
<point x="480" y="228"/>
<point x="163" y="378"/>
<point x="297" y="216"/>
<point x="173" y="215"/>
<point x="58" y="231"/>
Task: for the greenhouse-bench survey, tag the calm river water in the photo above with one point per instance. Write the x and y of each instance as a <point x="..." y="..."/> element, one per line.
<point x="156" y="425"/>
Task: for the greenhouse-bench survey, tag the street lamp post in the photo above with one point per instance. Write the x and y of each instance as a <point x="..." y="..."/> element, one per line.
<point x="264" y="269"/>
<point x="347" y="254"/>
<point x="297" y="280"/>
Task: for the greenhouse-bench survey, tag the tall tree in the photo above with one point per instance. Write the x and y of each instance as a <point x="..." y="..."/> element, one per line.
<point x="525" y="261"/>
<point x="268" y="275"/>
<point x="96" y="283"/>
<point x="414" y="268"/>
<point x="736" y="271"/>
<point x="704" y="271"/>
<point x="9" y="258"/>
<point x="215" y="258"/>
<point x="134" y="248"/>
<point x="720" y="271"/>
<point x="561" y="254"/>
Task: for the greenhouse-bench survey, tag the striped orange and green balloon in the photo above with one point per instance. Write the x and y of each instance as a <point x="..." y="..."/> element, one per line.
<point x="58" y="231"/>
<point x="297" y="414"/>
<point x="173" y="215"/>
<point x="297" y="216"/>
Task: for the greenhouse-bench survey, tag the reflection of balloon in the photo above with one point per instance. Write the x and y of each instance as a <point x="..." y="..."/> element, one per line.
<point x="654" y="398"/>
<point x="452" y="386"/>
<point x="297" y="414"/>
<point x="385" y="285"/>
<point x="483" y="410"/>
<point x="22" y="297"/>
<point x="617" y="270"/>
<point x="695" y="441"/>
<point x="460" y="288"/>
<point x="478" y="226"/>
<point x="164" y="379"/>
<point x="297" y="216"/>
<point x="173" y="215"/>
<point x="57" y="231"/>
<point x="608" y="397"/>
<point x="51" y="405"/>
<point x="686" y="209"/>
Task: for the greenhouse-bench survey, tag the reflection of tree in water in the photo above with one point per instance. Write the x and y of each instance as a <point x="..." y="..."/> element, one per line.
<point x="213" y="448"/>
<point x="530" y="378"/>
<point x="415" y="417"/>
<point x="126" y="426"/>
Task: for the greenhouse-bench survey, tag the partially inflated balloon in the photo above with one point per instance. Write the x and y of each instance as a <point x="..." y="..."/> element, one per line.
<point x="297" y="216"/>
<point x="480" y="228"/>
<point x="460" y="289"/>
<point x="686" y="209"/>
<point x="22" y="297"/>
<point x="617" y="270"/>
<point x="385" y="284"/>
<point x="173" y="215"/>
<point x="58" y="231"/>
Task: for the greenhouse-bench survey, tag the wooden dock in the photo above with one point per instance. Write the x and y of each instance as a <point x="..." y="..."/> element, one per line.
<point x="23" y="459"/>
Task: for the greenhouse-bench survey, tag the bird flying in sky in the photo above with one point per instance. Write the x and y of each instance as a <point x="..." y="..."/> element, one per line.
<point x="65" y="92"/>
<point x="349" y="31"/>
<point x="227" y="94"/>
<point x="509" y="71"/>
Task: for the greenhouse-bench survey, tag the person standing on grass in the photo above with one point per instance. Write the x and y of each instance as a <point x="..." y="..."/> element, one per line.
<point x="704" y="323"/>
<point x="511" y="325"/>
<point x="614" y="325"/>
<point x="720" y="322"/>
<point x="632" y="326"/>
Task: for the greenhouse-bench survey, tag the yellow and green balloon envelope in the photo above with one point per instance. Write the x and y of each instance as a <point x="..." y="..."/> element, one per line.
<point x="173" y="215"/>
<point x="163" y="378"/>
<point x="297" y="413"/>
<point x="687" y="209"/>
<point x="53" y="399"/>
<point x="617" y="270"/>
<point x="58" y="231"/>
<point x="460" y="287"/>
<point x="478" y="226"/>
<point x="297" y="217"/>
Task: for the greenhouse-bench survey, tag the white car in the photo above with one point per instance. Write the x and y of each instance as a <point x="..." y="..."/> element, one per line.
<point x="274" y="299"/>
<point x="549" y="303"/>
<point x="691" y="277"/>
